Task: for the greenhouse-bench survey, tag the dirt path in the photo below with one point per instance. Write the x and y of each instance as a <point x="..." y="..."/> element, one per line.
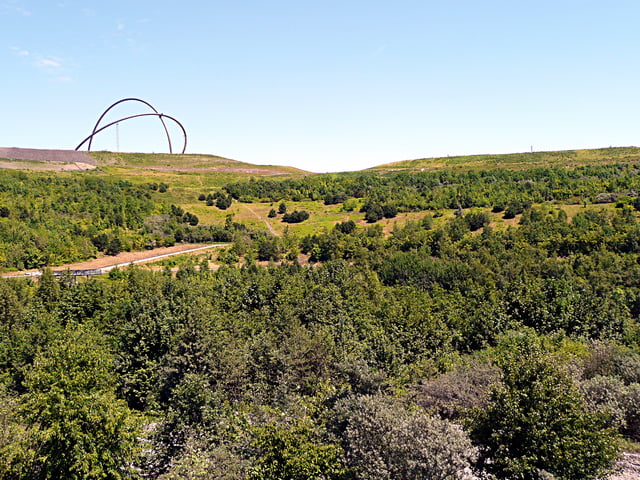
<point x="123" y="259"/>
<point x="273" y="232"/>
<point x="630" y="467"/>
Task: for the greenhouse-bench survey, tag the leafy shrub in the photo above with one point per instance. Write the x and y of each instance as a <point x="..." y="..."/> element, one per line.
<point x="618" y="402"/>
<point x="294" y="452"/>
<point x="223" y="202"/>
<point x="389" y="211"/>
<point x="335" y="198"/>
<point x="452" y="394"/>
<point x="384" y="440"/>
<point x="535" y="420"/>
<point x="476" y="220"/>
<point x="346" y="227"/>
<point x="295" y="216"/>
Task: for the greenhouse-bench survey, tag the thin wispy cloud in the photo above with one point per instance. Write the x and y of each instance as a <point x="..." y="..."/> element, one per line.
<point x="20" y="51"/>
<point x="15" y="7"/>
<point x="55" y="67"/>
<point x="47" y="62"/>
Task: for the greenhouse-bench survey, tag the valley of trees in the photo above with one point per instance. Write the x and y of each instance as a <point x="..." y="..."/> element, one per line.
<point x="448" y="347"/>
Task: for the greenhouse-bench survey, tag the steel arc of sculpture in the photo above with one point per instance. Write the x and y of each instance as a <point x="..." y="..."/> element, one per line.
<point x="155" y="113"/>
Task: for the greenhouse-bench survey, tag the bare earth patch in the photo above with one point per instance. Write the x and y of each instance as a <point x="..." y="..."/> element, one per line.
<point x="222" y="169"/>
<point x="37" y="159"/>
<point x="121" y="258"/>
<point x="630" y="467"/>
<point x="48" y="166"/>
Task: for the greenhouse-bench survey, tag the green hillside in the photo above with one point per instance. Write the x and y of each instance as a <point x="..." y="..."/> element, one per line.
<point x="519" y="161"/>
<point x="426" y="319"/>
<point x="188" y="162"/>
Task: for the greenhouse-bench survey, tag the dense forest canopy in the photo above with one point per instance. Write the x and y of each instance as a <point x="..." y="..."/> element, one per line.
<point x="447" y="345"/>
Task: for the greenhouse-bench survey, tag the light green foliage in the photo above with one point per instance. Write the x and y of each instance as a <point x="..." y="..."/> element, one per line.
<point x="200" y="463"/>
<point x="78" y="429"/>
<point x="294" y="452"/>
<point x="535" y="420"/>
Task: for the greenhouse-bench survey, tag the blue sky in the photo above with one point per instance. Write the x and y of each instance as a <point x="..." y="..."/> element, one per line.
<point x="325" y="85"/>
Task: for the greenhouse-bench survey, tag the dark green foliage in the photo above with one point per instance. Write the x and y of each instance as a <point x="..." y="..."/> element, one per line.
<point x="282" y="208"/>
<point x="295" y="216"/>
<point x="269" y="249"/>
<point x="78" y="427"/>
<point x="272" y="213"/>
<point x="223" y="202"/>
<point x="373" y="213"/>
<point x="476" y="220"/>
<point x="114" y="246"/>
<point x="346" y="227"/>
<point x="507" y="190"/>
<point x="177" y="212"/>
<point x="54" y="220"/>
<point x="191" y="219"/>
<point x="535" y="420"/>
<point x="514" y="208"/>
<point x="334" y="198"/>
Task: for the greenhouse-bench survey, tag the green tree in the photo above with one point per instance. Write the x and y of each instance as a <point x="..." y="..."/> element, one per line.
<point x="48" y="288"/>
<point x="374" y="213"/>
<point x="535" y="420"/>
<point x="79" y="429"/>
<point x="293" y="452"/>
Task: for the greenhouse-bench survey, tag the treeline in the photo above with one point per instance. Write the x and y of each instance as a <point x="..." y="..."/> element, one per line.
<point x="420" y="191"/>
<point x="50" y="220"/>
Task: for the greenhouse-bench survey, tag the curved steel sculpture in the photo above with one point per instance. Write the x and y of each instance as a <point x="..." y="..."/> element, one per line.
<point x="155" y="113"/>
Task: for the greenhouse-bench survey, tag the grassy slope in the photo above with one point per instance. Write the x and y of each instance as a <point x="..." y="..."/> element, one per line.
<point x="519" y="161"/>
<point x="187" y="162"/>
<point x="214" y="172"/>
<point x="190" y="175"/>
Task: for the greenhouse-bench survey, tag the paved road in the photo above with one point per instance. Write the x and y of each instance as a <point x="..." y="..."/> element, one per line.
<point x="105" y="269"/>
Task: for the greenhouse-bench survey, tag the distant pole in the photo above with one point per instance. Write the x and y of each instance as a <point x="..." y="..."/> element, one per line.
<point x="118" y="137"/>
<point x="531" y="148"/>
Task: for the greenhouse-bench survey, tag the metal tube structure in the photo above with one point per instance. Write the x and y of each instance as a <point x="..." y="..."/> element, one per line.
<point x="155" y="113"/>
<point x="161" y="115"/>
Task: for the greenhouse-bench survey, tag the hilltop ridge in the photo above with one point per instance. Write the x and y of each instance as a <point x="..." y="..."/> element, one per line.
<point x="49" y="159"/>
<point x="517" y="161"/>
